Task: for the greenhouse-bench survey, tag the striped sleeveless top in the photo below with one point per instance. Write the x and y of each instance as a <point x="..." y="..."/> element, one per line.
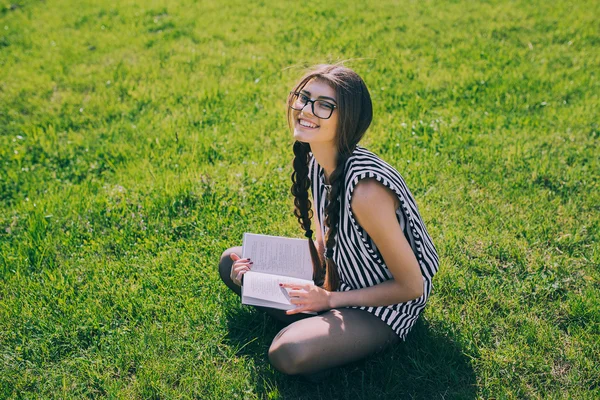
<point x="358" y="260"/>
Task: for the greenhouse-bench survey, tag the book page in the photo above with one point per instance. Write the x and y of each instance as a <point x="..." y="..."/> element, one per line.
<point x="278" y="255"/>
<point x="266" y="287"/>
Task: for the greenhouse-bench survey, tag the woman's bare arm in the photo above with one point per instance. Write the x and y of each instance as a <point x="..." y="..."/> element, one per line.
<point x="374" y="207"/>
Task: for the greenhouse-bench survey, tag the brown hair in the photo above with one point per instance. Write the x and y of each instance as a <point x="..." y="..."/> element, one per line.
<point x="355" y="115"/>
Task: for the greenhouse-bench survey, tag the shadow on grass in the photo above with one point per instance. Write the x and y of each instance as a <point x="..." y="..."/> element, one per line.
<point x="428" y="365"/>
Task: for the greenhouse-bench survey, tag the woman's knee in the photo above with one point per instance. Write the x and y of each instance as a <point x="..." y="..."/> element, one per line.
<point x="288" y="355"/>
<point x="225" y="265"/>
<point x="225" y="269"/>
<point x="226" y="262"/>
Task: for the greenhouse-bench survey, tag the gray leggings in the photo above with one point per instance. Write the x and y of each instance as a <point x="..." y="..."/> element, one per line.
<point x="310" y="344"/>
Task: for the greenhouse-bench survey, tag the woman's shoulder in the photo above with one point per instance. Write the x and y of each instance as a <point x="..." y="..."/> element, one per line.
<point x="363" y="160"/>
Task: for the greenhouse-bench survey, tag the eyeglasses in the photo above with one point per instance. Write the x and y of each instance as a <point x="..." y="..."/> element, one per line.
<point x="320" y="108"/>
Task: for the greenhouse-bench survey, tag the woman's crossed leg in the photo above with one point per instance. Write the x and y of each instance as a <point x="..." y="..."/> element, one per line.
<point x="311" y="344"/>
<point x="331" y="339"/>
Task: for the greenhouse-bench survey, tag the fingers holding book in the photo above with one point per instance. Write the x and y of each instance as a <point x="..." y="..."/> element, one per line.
<point x="239" y="267"/>
<point x="307" y="297"/>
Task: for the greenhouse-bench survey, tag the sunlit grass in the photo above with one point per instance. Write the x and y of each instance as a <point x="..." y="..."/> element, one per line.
<point x="139" y="140"/>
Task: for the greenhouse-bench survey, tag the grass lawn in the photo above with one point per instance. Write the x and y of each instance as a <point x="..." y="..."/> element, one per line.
<point x="140" y="139"/>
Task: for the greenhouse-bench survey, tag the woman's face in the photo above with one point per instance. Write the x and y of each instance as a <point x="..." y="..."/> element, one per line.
<point x="309" y="128"/>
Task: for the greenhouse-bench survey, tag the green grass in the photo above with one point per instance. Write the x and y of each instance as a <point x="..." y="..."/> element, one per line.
<point x="139" y="141"/>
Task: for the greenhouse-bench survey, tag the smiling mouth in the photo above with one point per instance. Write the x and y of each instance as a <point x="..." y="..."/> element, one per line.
<point x="307" y="124"/>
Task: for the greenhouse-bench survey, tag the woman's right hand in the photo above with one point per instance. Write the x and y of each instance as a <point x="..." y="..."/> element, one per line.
<point x="239" y="267"/>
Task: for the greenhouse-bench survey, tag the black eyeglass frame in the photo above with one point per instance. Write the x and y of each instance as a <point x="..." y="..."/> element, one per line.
<point x="312" y="106"/>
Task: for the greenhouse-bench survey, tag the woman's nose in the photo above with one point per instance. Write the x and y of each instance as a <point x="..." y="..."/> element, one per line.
<point x="307" y="109"/>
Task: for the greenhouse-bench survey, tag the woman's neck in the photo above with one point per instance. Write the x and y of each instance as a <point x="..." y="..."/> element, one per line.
<point x="326" y="155"/>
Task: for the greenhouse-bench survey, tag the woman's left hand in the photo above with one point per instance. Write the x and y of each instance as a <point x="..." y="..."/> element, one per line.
<point x="307" y="298"/>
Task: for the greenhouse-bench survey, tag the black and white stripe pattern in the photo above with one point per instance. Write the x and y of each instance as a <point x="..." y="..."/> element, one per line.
<point x="359" y="262"/>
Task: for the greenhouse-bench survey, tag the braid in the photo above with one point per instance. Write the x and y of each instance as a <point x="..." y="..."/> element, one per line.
<point x="332" y="218"/>
<point x="300" y="185"/>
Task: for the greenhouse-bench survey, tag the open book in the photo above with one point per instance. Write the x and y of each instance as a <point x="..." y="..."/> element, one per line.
<point x="276" y="259"/>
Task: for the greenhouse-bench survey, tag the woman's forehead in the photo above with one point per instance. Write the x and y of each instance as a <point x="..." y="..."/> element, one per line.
<point x="317" y="87"/>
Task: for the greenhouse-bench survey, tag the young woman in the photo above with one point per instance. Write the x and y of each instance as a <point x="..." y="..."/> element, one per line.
<point x="373" y="258"/>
